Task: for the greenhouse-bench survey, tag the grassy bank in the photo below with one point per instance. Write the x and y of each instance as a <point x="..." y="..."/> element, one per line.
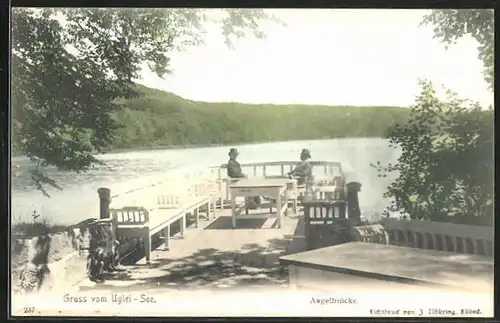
<point x="162" y="119"/>
<point x="36" y="228"/>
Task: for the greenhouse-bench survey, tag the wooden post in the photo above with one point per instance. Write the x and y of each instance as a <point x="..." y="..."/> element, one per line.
<point x="307" y="220"/>
<point x="104" y="199"/>
<point x="353" y="210"/>
<point x="341" y="207"/>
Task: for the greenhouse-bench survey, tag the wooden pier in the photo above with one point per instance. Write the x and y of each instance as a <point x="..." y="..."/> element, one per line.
<point x="214" y="255"/>
<point x="207" y="251"/>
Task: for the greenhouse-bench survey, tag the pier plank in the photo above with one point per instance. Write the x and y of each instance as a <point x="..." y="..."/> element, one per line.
<point x="231" y="257"/>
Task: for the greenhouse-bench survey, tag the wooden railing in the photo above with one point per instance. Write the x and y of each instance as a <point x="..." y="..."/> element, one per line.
<point x="169" y="191"/>
<point x="460" y="238"/>
<point x="321" y="169"/>
<point x="177" y="185"/>
<point x="324" y="173"/>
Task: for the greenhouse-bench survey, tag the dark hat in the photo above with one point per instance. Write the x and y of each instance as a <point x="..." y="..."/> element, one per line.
<point x="306" y="153"/>
<point x="233" y="151"/>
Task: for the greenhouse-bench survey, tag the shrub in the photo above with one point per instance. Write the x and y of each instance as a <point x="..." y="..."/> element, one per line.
<point x="445" y="171"/>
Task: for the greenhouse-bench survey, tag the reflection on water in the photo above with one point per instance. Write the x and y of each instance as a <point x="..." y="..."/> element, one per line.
<point x="78" y="199"/>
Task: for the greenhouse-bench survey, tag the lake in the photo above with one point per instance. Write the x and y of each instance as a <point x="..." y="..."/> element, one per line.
<point x="78" y="200"/>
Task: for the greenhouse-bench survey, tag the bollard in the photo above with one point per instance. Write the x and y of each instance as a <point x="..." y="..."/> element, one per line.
<point x="353" y="210"/>
<point x="103" y="246"/>
<point x="104" y="199"/>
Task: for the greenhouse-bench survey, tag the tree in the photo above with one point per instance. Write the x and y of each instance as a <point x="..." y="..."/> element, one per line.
<point x="446" y="166"/>
<point x="451" y="25"/>
<point x="60" y="103"/>
<point x="445" y="170"/>
<point x="70" y="67"/>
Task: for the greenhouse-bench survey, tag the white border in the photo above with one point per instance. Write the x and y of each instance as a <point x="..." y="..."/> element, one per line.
<point x="267" y="302"/>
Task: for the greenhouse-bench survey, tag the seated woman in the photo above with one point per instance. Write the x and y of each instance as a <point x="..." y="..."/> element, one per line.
<point x="304" y="169"/>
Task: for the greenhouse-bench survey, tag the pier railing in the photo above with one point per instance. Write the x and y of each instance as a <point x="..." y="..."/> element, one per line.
<point x="321" y="169"/>
<point x="460" y="238"/>
<point x="324" y="173"/>
<point x="177" y="185"/>
<point x="453" y="237"/>
<point x="168" y="191"/>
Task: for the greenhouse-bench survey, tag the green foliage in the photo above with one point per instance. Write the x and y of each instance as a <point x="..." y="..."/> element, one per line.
<point x="446" y="166"/>
<point x="123" y="40"/>
<point x="61" y="104"/>
<point x="163" y="119"/>
<point x="69" y="67"/>
<point x="451" y="25"/>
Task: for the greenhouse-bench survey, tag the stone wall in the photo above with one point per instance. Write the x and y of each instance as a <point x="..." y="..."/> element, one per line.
<point x="36" y="260"/>
<point x="62" y="260"/>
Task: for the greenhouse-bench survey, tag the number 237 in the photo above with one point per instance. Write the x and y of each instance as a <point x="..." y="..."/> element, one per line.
<point x="28" y="310"/>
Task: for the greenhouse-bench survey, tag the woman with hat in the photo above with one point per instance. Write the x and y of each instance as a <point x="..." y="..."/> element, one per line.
<point x="304" y="169"/>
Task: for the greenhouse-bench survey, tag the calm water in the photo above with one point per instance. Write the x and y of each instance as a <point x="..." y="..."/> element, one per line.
<point x="78" y="200"/>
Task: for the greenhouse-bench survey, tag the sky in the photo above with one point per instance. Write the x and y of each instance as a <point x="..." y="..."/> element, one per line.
<point x="327" y="56"/>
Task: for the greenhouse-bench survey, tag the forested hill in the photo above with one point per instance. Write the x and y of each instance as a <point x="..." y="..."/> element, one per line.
<point x="160" y="118"/>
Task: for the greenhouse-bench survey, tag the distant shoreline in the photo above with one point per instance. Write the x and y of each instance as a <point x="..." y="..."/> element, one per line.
<point x="192" y="146"/>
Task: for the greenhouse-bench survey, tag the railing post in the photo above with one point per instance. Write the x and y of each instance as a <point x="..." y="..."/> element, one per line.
<point x="104" y="200"/>
<point x="307" y="222"/>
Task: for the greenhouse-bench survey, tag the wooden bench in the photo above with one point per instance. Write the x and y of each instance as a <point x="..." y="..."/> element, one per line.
<point x="200" y="195"/>
<point x="134" y="221"/>
<point x="155" y="209"/>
